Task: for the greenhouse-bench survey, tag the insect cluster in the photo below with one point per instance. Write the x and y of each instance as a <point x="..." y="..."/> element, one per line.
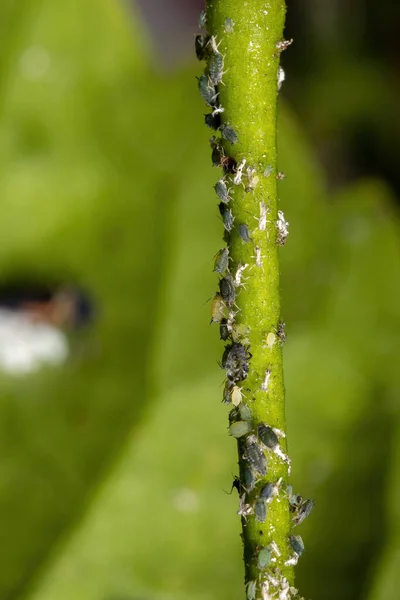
<point x="257" y="441"/>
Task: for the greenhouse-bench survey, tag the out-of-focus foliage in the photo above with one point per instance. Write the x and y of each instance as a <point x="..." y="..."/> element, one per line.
<point x="113" y="468"/>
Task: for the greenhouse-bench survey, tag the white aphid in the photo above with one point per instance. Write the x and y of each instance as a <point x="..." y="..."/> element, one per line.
<point x="239" y="273"/>
<point x="274" y="547"/>
<point x="244" y="509"/>
<point x="283" y="228"/>
<point x="265" y="383"/>
<point x="237" y="180"/>
<point x="258" y="257"/>
<point x="262" y="221"/>
<point x="281" y="77"/>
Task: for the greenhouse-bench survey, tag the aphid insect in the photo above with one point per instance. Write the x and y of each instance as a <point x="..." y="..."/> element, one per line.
<point x="221" y="261"/>
<point x="236" y="395"/>
<point x="222" y="191"/>
<point x="244" y="233"/>
<point x="274" y="547"/>
<point x="239" y="428"/>
<point x="264" y="557"/>
<point x="229" y="25"/>
<point x="239" y="333"/>
<point x="213" y="44"/>
<point x="207" y="90"/>
<point x="249" y="481"/>
<point x="269" y="491"/>
<point x="245" y="412"/>
<point x="280" y="176"/>
<point x="224" y="330"/>
<point x="283" y="45"/>
<point x="227" y="216"/>
<point x="281" y="332"/>
<point x="303" y="511"/>
<point x="217" y="110"/>
<point x="268" y="170"/>
<point x="226" y="396"/>
<point x="228" y="164"/>
<point x="265" y="383"/>
<point x="251" y="588"/>
<point x="280" y="77"/>
<point x="271" y="338"/>
<point x="217" y="152"/>
<point x="239" y="273"/>
<point x="213" y="121"/>
<point x="262" y="221"/>
<point x="283" y="229"/>
<point x="215" y="68"/>
<point x="258" y="257"/>
<point x="237" y="180"/>
<point x="201" y="46"/>
<point x="218" y="309"/>
<point x="260" y="510"/>
<point x="297" y="544"/>
<point x="269" y="439"/>
<point x="267" y="436"/>
<point x="235" y="361"/>
<point x="227" y="290"/>
<point x="203" y="20"/>
<point x="229" y="134"/>
<point x="244" y="508"/>
<point x="255" y="456"/>
<point x="252" y="179"/>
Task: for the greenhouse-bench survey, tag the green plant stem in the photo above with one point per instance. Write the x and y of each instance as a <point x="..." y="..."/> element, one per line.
<point x="248" y="94"/>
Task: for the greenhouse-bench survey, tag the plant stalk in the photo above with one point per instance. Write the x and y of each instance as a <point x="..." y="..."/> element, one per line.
<point x="242" y="43"/>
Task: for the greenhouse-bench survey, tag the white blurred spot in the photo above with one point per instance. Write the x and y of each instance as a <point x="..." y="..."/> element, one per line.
<point x="186" y="500"/>
<point x="34" y="62"/>
<point x="281" y="77"/>
<point x="25" y="346"/>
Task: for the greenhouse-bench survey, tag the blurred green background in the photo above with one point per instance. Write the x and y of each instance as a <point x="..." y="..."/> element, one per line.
<point x="113" y="466"/>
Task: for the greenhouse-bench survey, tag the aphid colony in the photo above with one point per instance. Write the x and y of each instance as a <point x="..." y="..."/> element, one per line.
<point x="256" y="440"/>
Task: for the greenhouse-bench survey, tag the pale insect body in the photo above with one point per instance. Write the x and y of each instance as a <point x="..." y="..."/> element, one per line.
<point x="218" y="309"/>
<point x="280" y="77"/>
<point x="252" y="179"/>
<point x="262" y="221"/>
<point x="229" y="25"/>
<point x="236" y="395"/>
<point x="251" y="589"/>
<point x="245" y="509"/>
<point x="202" y="22"/>
<point x="260" y="510"/>
<point x="283" y="45"/>
<point x="265" y="383"/>
<point x="239" y="428"/>
<point x="237" y="180"/>
<point x="258" y="257"/>
<point x="215" y="67"/>
<point x="239" y="273"/>
<point x="263" y="558"/>
<point x="283" y="229"/>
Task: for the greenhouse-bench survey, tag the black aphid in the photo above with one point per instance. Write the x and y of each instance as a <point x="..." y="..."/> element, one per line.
<point x="224" y="330"/>
<point x="260" y="510"/>
<point x="207" y="90"/>
<point x="281" y="332"/>
<point x="303" y="511"/>
<point x="229" y="134"/>
<point x="267" y="435"/>
<point x="227" y="290"/>
<point x="255" y="456"/>
<point x="268" y="492"/>
<point x="244" y="232"/>
<point x="221" y="261"/>
<point x="222" y="191"/>
<point x="297" y="544"/>
<point x="249" y="481"/>
<point x="227" y="216"/>
<point x="215" y="67"/>
<point x="213" y="121"/>
<point x="235" y="361"/>
<point x="228" y="164"/>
